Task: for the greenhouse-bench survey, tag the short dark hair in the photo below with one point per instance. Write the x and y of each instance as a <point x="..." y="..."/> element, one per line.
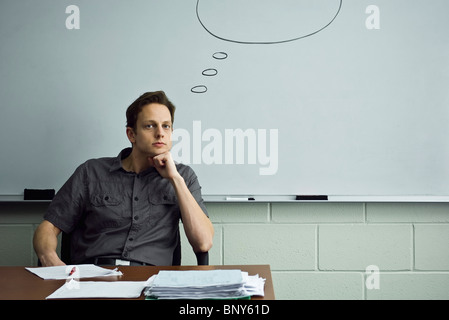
<point x="148" y="97"/>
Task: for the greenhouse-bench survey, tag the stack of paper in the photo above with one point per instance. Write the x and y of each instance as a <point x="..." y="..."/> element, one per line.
<point x="204" y="284"/>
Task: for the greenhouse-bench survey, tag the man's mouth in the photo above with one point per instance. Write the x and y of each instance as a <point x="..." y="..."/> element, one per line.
<point x="159" y="144"/>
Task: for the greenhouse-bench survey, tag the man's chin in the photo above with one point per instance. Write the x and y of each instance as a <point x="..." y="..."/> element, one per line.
<point x="154" y="153"/>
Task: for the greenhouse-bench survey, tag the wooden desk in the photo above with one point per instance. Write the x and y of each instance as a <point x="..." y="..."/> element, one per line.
<point x="17" y="283"/>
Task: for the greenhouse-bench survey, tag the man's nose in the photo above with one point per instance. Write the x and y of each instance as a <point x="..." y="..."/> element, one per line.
<point x="159" y="132"/>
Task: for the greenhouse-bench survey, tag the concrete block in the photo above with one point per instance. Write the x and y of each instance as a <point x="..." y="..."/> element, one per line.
<point x="17" y="245"/>
<point x="407" y="212"/>
<point x="431" y="247"/>
<point x="317" y="212"/>
<point x="354" y="247"/>
<point x="318" y="285"/>
<point x="411" y="286"/>
<point x="238" y="212"/>
<point x="283" y="247"/>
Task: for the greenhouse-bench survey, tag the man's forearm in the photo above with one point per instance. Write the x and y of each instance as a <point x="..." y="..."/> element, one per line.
<point x="199" y="230"/>
<point x="198" y="227"/>
<point x="45" y="242"/>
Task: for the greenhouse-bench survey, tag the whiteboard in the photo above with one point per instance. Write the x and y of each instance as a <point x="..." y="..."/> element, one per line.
<point x="335" y="97"/>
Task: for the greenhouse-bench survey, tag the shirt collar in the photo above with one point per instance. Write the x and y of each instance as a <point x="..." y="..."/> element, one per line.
<point x="117" y="163"/>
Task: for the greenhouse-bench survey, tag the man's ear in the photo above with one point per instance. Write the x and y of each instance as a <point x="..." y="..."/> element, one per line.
<point x="131" y="134"/>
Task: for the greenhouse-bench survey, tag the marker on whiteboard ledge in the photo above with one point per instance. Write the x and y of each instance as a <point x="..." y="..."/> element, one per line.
<point x="311" y="197"/>
<point x="240" y="199"/>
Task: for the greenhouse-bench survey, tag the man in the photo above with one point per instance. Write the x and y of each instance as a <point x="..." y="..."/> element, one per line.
<point x="128" y="207"/>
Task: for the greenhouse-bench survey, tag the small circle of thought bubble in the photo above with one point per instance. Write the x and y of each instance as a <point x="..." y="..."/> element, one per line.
<point x="266" y="21"/>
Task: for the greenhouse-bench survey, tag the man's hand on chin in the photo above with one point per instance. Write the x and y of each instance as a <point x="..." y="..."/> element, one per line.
<point x="165" y="165"/>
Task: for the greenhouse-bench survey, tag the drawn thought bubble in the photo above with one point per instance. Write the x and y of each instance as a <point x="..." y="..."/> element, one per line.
<point x="266" y="21"/>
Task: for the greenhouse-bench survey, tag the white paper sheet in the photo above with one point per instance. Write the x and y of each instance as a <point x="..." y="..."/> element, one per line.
<point x="81" y="271"/>
<point x="99" y="289"/>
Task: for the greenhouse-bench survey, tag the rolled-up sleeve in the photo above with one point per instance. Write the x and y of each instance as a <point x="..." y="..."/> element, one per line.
<point x="68" y="205"/>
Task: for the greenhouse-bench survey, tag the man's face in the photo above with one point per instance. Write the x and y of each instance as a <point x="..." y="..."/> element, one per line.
<point x="152" y="135"/>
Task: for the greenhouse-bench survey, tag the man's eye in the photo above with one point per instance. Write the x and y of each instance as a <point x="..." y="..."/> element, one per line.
<point x="149" y="126"/>
<point x="167" y="126"/>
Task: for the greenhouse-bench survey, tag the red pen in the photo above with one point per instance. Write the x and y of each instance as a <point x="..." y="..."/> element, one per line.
<point x="72" y="271"/>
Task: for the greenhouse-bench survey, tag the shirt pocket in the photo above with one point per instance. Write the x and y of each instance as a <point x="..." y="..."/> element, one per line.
<point x="105" y="200"/>
<point x="108" y="210"/>
<point x="163" y="210"/>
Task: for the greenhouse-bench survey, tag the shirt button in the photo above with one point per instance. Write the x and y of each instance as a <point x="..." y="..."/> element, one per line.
<point x="136" y="198"/>
<point x="131" y="239"/>
<point x="136" y="218"/>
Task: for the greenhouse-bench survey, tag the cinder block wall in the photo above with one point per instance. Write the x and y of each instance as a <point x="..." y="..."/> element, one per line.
<point x="315" y="250"/>
<point x="322" y="250"/>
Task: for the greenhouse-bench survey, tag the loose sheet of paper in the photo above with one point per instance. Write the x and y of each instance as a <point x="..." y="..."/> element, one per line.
<point x="99" y="289"/>
<point x="80" y="271"/>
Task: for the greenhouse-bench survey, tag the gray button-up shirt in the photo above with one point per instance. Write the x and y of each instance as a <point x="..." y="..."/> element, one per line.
<point x="114" y="213"/>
